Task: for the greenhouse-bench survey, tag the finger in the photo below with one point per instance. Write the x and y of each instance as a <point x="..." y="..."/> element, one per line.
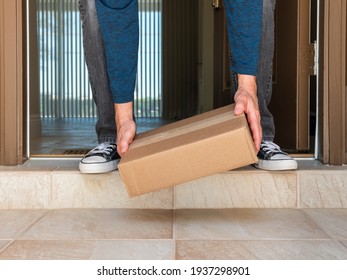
<point x="256" y="138"/>
<point x="254" y="123"/>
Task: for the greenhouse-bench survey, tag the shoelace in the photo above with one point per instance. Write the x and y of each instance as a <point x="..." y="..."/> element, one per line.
<point x="103" y="148"/>
<point x="270" y="147"/>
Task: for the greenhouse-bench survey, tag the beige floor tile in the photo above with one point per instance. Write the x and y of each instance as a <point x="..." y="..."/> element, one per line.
<point x="3" y="244"/>
<point x="264" y="250"/>
<point x="332" y="221"/>
<point x="14" y="222"/>
<point x="92" y="249"/>
<point x="82" y="224"/>
<point x="245" y="224"/>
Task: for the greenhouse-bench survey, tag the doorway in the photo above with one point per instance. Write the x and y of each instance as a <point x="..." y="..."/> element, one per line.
<point x="294" y="92"/>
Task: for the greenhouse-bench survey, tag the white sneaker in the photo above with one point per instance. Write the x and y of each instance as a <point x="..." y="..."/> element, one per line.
<point x="270" y="157"/>
<point x="103" y="158"/>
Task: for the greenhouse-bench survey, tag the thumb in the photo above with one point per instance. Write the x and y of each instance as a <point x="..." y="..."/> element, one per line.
<point x="239" y="108"/>
<point x="121" y="149"/>
<point x="122" y="146"/>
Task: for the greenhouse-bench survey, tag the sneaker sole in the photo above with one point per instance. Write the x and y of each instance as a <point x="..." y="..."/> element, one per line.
<point x="277" y="165"/>
<point x="93" y="168"/>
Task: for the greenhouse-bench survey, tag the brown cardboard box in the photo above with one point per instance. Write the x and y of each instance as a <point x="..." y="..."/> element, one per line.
<point x="189" y="149"/>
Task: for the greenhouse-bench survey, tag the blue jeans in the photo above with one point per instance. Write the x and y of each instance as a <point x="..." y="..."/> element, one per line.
<point x="94" y="54"/>
<point x="264" y="73"/>
<point x="123" y="73"/>
<point x="119" y="26"/>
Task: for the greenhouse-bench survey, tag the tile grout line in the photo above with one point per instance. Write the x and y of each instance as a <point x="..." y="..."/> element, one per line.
<point x="20" y="233"/>
<point x="2" y="250"/>
<point x="298" y="190"/>
<point x="331" y="236"/>
<point x="50" y="191"/>
<point x="174" y="223"/>
<point x="341" y="242"/>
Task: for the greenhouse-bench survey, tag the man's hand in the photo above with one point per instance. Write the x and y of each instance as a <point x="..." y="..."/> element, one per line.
<point x="126" y="127"/>
<point x="246" y="101"/>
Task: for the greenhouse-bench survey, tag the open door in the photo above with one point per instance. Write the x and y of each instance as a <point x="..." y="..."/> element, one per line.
<point x="294" y="94"/>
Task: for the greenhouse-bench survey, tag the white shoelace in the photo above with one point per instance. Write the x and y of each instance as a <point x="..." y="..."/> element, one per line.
<point x="105" y="148"/>
<point x="270" y="147"/>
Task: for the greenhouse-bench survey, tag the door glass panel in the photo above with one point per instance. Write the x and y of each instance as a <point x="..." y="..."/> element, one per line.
<point x="62" y="111"/>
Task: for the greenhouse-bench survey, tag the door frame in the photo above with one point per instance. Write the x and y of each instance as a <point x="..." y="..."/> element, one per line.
<point x="12" y="82"/>
<point x="332" y="82"/>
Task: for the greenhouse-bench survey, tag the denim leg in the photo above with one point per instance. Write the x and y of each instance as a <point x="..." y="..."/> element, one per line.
<point x="264" y="72"/>
<point x="95" y="59"/>
<point x="244" y="20"/>
<point x="264" y="75"/>
<point x="119" y="25"/>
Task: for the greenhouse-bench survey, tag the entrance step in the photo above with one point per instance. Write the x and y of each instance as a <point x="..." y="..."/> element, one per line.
<point x="57" y="184"/>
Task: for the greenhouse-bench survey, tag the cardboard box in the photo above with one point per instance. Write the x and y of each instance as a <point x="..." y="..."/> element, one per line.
<point x="189" y="149"/>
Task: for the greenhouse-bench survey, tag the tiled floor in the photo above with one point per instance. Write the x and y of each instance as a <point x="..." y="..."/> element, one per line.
<point x="131" y="234"/>
<point x="174" y="234"/>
